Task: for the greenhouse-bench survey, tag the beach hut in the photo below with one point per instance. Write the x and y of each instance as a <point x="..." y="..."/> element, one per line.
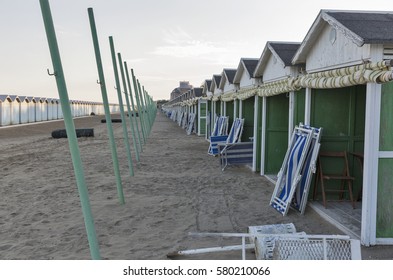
<point x="24" y="109"/>
<point x="74" y="108"/>
<point x="44" y="108"/>
<point x="38" y="109"/>
<point x="15" y="109"/>
<point x="248" y="105"/>
<point x="5" y="110"/>
<point x="275" y="67"/>
<point x="31" y="108"/>
<point x="56" y="106"/>
<point x="201" y="111"/>
<point x="348" y="57"/>
<point x="215" y="89"/>
<point x="59" y="109"/>
<point x="228" y="89"/>
<point x="50" y="105"/>
<point x="207" y="95"/>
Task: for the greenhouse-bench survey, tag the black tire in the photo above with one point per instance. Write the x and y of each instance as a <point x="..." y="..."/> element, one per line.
<point x="80" y="132"/>
<point x="113" y="121"/>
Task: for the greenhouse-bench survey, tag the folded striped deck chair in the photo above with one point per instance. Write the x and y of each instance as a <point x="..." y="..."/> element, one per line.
<point x="191" y="122"/>
<point x="174" y="115"/>
<point x="220" y="129"/>
<point x="299" y="200"/>
<point x="297" y="164"/>
<point x="220" y="126"/>
<point x="233" y="137"/>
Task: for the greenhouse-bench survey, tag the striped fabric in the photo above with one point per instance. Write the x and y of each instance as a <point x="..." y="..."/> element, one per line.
<point x="300" y="196"/>
<point x="372" y="72"/>
<point x="245" y="93"/>
<point x="292" y="170"/>
<point x="228" y="96"/>
<point x="220" y="126"/>
<point x="216" y="97"/>
<point x="235" y="154"/>
<point x="233" y="136"/>
<point x="379" y="72"/>
<point x="278" y="87"/>
<point x="295" y="176"/>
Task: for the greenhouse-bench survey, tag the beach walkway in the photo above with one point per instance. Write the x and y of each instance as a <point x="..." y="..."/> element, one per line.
<point x="177" y="188"/>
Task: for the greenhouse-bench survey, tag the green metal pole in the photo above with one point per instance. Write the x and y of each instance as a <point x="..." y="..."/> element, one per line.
<point x="123" y="78"/>
<point x="143" y="108"/>
<point x="140" y="111"/>
<point x="104" y="94"/>
<point x="70" y="128"/>
<point x="148" y="124"/>
<point x="152" y="110"/>
<point x="133" y="106"/>
<point x="148" y="109"/>
<point x="123" y="118"/>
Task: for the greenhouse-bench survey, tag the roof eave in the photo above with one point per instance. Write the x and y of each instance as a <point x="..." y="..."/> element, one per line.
<point x="261" y="63"/>
<point x="239" y="72"/>
<point x="322" y="19"/>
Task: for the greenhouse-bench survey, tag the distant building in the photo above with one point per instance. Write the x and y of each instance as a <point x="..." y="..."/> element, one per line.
<point x="183" y="87"/>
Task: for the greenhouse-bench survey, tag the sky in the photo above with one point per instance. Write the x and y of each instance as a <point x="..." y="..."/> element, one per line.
<point x="164" y="41"/>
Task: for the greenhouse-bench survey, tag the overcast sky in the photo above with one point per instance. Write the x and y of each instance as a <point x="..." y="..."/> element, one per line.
<point x="164" y="41"/>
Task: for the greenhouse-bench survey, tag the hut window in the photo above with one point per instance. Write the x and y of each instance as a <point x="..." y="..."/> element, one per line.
<point x="332" y="35"/>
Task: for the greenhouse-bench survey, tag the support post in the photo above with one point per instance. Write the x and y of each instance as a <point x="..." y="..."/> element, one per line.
<point x="70" y="128"/>
<point x="106" y="106"/>
<point x="123" y="78"/>
<point x="138" y="104"/>
<point x="144" y="119"/>
<point x="133" y="107"/>
<point x="123" y="118"/>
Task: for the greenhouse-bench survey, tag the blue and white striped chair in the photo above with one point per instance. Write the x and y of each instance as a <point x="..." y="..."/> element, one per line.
<point x="295" y="173"/>
<point x="220" y="130"/>
<point x="220" y="126"/>
<point x="233" y="137"/>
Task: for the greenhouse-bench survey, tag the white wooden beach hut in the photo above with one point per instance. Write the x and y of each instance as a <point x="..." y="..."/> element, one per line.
<point x="74" y="108"/>
<point x="24" y="109"/>
<point x="5" y="110"/>
<point x="38" y="109"/>
<point x="55" y="112"/>
<point x="215" y="89"/>
<point x="348" y="57"/>
<point x="200" y="109"/>
<point x="276" y="69"/>
<point x="15" y="109"/>
<point x="248" y="104"/>
<point x="59" y="109"/>
<point x="44" y="108"/>
<point x="207" y="94"/>
<point x="228" y="89"/>
<point x="51" y="105"/>
<point x="31" y="109"/>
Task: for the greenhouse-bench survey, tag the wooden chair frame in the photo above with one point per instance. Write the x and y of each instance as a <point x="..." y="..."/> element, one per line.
<point x="344" y="177"/>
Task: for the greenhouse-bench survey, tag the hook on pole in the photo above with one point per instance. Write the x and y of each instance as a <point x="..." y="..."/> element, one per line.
<point x="49" y="73"/>
<point x="100" y="83"/>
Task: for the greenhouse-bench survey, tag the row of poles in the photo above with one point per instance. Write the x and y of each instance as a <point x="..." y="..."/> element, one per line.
<point x="140" y="131"/>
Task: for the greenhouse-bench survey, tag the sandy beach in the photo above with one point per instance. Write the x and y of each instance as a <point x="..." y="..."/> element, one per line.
<point x="177" y="188"/>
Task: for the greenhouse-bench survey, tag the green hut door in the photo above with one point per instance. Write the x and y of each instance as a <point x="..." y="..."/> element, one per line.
<point x="384" y="223"/>
<point x="202" y="115"/>
<point x="341" y="114"/>
<point x="277" y="113"/>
